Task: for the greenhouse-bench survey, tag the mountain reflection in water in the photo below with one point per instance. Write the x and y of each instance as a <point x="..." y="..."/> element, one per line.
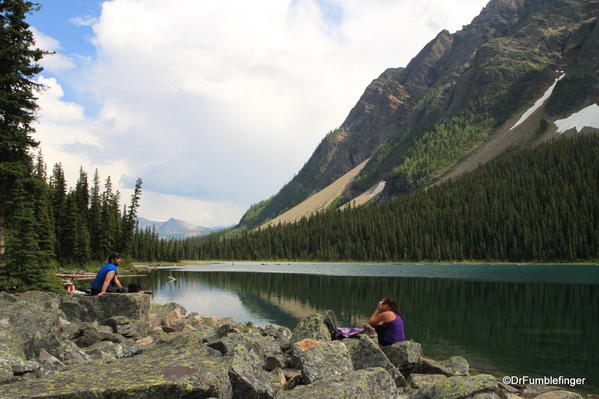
<point x="505" y="328"/>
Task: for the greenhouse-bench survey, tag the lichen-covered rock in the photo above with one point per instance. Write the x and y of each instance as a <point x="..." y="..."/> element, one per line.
<point x="90" y="333"/>
<point x="318" y="360"/>
<point x="45" y="300"/>
<point x="175" y="319"/>
<point x="459" y="388"/>
<point x="371" y="383"/>
<point x="255" y="342"/>
<point x="280" y="333"/>
<point x="312" y="327"/>
<point x="365" y="353"/>
<point x="6" y="297"/>
<point x="272" y="362"/>
<point x="559" y="395"/>
<point x="455" y="365"/>
<point x="404" y="354"/>
<point x="107" y="350"/>
<point x="134" y="329"/>
<point x="6" y="373"/>
<point x="248" y="380"/>
<point x="421" y="380"/>
<point x="183" y="369"/>
<point x="532" y="391"/>
<point x="101" y="308"/>
<point x="49" y="361"/>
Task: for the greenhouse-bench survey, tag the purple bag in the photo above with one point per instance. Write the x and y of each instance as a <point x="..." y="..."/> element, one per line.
<point x="347" y="332"/>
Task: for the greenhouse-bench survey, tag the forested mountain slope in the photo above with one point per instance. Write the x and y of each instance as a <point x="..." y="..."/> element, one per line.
<point x="535" y="204"/>
<point x="416" y="123"/>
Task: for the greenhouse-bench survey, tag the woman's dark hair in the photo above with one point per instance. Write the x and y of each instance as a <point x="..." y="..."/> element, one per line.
<point x="392" y="304"/>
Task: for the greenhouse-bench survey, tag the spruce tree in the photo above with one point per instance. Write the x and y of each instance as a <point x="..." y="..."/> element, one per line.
<point x="18" y="65"/>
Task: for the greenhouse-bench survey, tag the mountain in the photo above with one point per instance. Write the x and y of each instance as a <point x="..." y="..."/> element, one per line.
<point x="175" y="228"/>
<point x="459" y="103"/>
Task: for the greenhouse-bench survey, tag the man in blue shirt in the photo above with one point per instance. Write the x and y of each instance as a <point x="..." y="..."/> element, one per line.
<point x="107" y="276"/>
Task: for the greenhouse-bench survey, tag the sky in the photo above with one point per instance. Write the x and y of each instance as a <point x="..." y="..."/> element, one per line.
<point x="215" y="104"/>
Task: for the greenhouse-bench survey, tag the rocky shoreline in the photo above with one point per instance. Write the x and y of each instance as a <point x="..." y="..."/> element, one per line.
<point x="125" y="346"/>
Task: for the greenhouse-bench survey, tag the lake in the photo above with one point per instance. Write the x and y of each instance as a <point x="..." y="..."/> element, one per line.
<point x="534" y="320"/>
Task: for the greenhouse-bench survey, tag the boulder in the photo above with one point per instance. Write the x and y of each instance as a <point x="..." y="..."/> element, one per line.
<point x="183" y="369"/>
<point x="90" y="333"/>
<point x="365" y="353"/>
<point x="455" y="365"/>
<point x="371" y="383"/>
<point x="101" y="308"/>
<point x="320" y="360"/>
<point x="134" y="329"/>
<point x="106" y="350"/>
<point x="248" y="379"/>
<point x="418" y="381"/>
<point x="273" y="362"/>
<point x="175" y="319"/>
<point x="532" y="391"/>
<point x="6" y="374"/>
<point x="559" y="395"/>
<point x="403" y="354"/>
<point x="26" y="320"/>
<point x="481" y="386"/>
<point x="45" y="300"/>
<point x="49" y="361"/>
<point x="6" y="297"/>
<point x="255" y="342"/>
<point x="280" y="333"/>
<point x="312" y="327"/>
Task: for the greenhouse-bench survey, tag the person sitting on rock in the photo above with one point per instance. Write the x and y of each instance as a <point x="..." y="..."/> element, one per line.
<point x="107" y="276"/>
<point x="387" y="322"/>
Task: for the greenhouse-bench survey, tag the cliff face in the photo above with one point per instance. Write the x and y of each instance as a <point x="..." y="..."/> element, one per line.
<point x="414" y="123"/>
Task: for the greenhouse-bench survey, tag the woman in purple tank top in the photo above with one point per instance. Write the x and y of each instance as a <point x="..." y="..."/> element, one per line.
<point x="387" y="322"/>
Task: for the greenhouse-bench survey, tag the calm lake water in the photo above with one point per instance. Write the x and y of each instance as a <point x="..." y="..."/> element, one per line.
<point x="504" y="319"/>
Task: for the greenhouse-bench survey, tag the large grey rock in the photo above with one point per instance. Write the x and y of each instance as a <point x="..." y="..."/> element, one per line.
<point x="421" y="380"/>
<point x="248" y="379"/>
<point x="365" y="353"/>
<point x="130" y="328"/>
<point x="6" y="297"/>
<point x="101" y="308"/>
<point x="107" y="350"/>
<point x="320" y="360"/>
<point x="312" y="327"/>
<point x="562" y="394"/>
<point x="45" y="300"/>
<point x="280" y="333"/>
<point x="455" y="365"/>
<point x="183" y="369"/>
<point x="255" y="342"/>
<point x="6" y="373"/>
<point x="91" y="333"/>
<point x="460" y="387"/>
<point x="532" y="390"/>
<point x="372" y="383"/>
<point x="404" y="354"/>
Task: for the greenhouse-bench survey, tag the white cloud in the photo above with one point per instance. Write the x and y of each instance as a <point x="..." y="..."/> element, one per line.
<point x="52" y="62"/>
<point x="222" y="101"/>
<point x="87" y="20"/>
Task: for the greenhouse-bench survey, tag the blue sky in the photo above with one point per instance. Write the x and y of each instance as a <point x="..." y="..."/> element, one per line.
<point x="216" y="104"/>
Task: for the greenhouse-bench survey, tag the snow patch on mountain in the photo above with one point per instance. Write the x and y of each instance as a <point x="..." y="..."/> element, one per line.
<point x="588" y="116"/>
<point x="538" y="103"/>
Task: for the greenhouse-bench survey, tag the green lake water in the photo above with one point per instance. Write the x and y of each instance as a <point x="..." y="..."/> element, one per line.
<point x="531" y="320"/>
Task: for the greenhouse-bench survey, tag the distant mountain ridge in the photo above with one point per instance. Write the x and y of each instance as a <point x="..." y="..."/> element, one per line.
<point x="176" y="228"/>
<point x="459" y="94"/>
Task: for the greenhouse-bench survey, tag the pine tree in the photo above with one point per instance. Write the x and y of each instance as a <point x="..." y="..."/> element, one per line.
<point x="24" y="267"/>
<point x="130" y="218"/>
<point x="18" y="65"/>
